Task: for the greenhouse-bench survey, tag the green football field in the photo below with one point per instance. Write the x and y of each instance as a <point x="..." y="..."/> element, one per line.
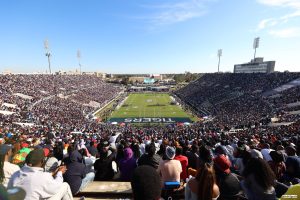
<point x="149" y="105"/>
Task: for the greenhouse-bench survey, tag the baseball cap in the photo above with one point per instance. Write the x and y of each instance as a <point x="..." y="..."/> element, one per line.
<point x="170" y="152"/>
<point x="222" y="163"/>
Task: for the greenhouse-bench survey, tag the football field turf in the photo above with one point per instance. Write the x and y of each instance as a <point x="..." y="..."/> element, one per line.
<point x="149" y="105"/>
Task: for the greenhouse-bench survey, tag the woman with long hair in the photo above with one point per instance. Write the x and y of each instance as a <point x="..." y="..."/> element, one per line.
<point x="203" y="186"/>
<point x="259" y="180"/>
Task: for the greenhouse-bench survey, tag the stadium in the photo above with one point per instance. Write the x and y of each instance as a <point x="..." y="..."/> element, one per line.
<point x="148" y="112"/>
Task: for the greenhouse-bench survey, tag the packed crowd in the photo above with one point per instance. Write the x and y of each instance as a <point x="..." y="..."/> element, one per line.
<point x="52" y="100"/>
<point x="201" y="161"/>
<point x="228" y="97"/>
<point x="63" y="152"/>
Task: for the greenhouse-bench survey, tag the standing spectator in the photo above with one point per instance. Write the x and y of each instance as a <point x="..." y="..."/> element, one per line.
<point x="39" y="184"/>
<point x="127" y="165"/>
<point x="169" y="169"/>
<point x="7" y="169"/>
<point x="183" y="161"/>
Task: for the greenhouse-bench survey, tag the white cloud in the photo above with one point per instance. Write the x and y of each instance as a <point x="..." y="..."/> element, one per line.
<point x="282" y="3"/>
<point x="271" y="22"/>
<point x="286" y="33"/>
<point x="179" y="11"/>
<point x="266" y="23"/>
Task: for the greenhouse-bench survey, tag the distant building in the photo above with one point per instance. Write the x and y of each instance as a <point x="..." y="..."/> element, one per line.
<point x="255" y="66"/>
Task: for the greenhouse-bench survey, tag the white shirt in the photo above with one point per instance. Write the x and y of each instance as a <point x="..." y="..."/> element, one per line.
<point x="36" y="183"/>
<point x="9" y="169"/>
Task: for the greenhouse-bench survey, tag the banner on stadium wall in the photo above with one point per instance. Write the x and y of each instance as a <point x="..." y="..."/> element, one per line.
<point x="167" y="120"/>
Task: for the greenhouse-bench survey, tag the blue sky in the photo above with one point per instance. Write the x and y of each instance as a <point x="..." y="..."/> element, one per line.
<point x="147" y="36"/>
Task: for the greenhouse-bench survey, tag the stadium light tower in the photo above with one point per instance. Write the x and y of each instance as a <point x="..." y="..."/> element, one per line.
<point x="48" y="54"/>
<point x="220" y="52"/>
<point x="78" y="57"/>
<point x="255" y="45"/>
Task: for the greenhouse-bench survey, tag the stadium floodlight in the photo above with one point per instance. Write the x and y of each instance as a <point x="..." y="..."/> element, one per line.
<point x="220" y="53"/>
<point x="255" y="45"/>
<point x="48" y="54"/>
<point x="78" y="57"/>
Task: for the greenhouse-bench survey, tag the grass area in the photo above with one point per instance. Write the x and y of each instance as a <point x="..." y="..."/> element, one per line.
<point x="149" y="105"/>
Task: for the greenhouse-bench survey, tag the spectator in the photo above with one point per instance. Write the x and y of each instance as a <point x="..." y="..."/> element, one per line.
<point x="145" y="183"/>
<point x="92" y="149"/>
<point x="7" y="169"/>
<point x="77" y="175"/>
<point x="169" y="169"/>
<point x="277" y="164"/>
<point x="127" y="165"/>
<point x="228" y="182"/>
<point x="292" y="174"/>
<point x="104" y="165"/>
<point x="39" y="184"/>
<point x="193" y="157"/>
<point x="259" y="180"/>
<point x="203" y="186"/>
<point x="183" y="161"/>
<point x="150" y="158"/>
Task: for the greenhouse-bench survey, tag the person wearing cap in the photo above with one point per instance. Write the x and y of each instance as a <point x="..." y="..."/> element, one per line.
<point x="228" y="182"/>
<point x="39" y="184"/>
<point x="7" y="169"/>
<point x="169" y="169"/>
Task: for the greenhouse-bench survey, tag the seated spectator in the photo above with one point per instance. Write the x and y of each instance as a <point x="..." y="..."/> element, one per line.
<point x="259" y="180"/>
<point x="77" y="175"/>
<point x="292" y="174"/>
<point x="7" y="169"/>
<point x="127" y="165"/>
<point x="145" y="183"/>
<point x="203" y="186"/>
<point x="193" y="157"/>
<point x="228" y="182"/>
<point x="169" y="169"/>
<point x="277" y="164"/>
<point x="39" y="184"/>
<point x="103" y="166"/>
<point x="150" y="158"/>
<point x="205" y="157"/>
<point x="183" y="161"/>
<point x="92" y="149"/>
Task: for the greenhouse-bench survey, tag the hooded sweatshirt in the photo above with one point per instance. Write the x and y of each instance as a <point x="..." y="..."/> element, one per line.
<point x="127" y="165"/>
<point x="76" y="172"/>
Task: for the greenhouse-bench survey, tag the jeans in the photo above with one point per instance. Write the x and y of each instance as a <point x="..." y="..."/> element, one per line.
<point x="87" y="179"/>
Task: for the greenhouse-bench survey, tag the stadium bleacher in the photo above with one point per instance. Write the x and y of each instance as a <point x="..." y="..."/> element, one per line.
<point x="247" y="158"/>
